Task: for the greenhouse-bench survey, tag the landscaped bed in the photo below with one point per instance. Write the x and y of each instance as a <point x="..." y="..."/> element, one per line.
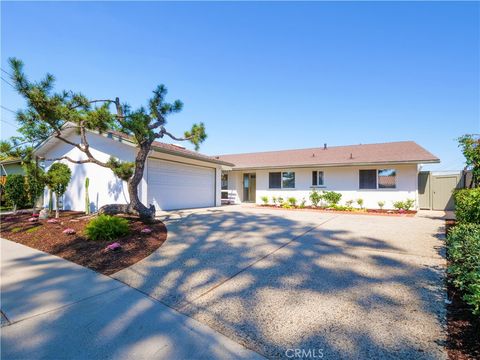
<point x="382" y="212"/>
<point x="52" y="237"/>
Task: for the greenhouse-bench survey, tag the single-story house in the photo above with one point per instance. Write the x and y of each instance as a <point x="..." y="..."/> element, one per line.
<point x="177" y="178"/>
<point x="385" y="172"/>
<point x="174" y="177"/>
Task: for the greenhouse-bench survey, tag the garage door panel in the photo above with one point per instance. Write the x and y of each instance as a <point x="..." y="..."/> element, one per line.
<point x="180" y="186"/>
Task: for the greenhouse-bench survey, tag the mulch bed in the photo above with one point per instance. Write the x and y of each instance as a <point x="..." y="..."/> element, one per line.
<point x="49" y="237"/>
<point x="408" y="213"/>
<point x="463" y="338"/>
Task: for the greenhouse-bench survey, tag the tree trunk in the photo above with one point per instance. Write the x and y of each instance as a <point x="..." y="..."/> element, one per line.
<point x="57" y="204"/>
<point x="135" y="206"/>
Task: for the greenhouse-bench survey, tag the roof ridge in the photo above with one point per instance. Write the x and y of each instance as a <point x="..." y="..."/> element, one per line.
<point x="316" y="148"/>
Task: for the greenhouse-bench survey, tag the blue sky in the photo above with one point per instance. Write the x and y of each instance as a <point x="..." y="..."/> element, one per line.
<point x="266" y="76"/>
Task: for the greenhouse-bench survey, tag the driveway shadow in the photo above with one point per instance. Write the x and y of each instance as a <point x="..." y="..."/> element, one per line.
<point x="273" y="282"/>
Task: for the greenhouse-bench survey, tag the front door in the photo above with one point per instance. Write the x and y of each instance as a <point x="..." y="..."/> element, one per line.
<point x="249" y="187"/>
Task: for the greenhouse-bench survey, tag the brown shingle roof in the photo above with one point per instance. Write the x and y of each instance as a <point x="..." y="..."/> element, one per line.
<point x="393" y="152"/>
<point x="175" y="150"/>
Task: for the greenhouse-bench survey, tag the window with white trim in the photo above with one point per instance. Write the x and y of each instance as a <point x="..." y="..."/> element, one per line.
<point x="288" y="180"/>
<point x="281" y="180"/>
<point x="387" y="179"/>
<point x="377" y="179"/>
<point x="317" y="178"/>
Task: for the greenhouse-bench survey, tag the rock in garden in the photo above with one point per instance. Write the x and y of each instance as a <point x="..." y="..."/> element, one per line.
<point x="113" y="246"/>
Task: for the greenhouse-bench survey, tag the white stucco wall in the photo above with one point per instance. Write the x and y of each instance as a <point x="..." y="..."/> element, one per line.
<point x="344" y="180"/>
<point x="105" y="188"/>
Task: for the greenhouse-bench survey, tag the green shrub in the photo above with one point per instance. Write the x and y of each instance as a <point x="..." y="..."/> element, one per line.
<point x="381" y="204"/>
<point x="265" y="200"/>
<point x="404" y="205"/>
<point x="106" y="227"/>
<point x="16" y="191"/>
<point x="331" y="197"/>
<point x="280" y="200"/>
<point x="58" y="178"/>
<point x="341" y="207"/>
<point x="349" y="203"/>
<point x="398" y="205"/>
<point x="408" y="204"/>
<point x="315" y="197"/>
<point x="302" y="203"/>
<point x="360" y="203"/>
<point x="274" y="200"/>
<point x="286" y="205"/>
<point x="467" y="205"/>
<point x="292" y="201"/>
<point x="463" y="249"/>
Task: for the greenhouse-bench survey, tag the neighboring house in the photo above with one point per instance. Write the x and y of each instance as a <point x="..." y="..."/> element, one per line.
<point x="374" y="172"/>
<point x="174" y="177"/>
<point x="12" y="166"/>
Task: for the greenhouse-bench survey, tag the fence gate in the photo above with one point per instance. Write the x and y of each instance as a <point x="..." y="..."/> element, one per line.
<point x="435" y="190"/>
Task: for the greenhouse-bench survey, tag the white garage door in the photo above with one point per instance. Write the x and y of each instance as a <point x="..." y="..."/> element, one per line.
<point x="173" y="185"/>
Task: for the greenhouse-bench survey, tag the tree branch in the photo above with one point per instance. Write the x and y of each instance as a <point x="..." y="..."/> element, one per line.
<point x="163" y="132"/>
<point x="92" y="102"/>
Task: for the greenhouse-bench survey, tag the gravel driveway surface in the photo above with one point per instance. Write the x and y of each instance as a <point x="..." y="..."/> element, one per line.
<point x="344" y="286"/>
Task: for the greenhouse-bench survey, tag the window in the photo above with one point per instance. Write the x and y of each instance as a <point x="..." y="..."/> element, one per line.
<point x="275" y="180"/>
<point x="224" y="181"/>
<point x="317" y="178"/>
<point x="368" y="179"/>
<point x="288" y="180"/>
<point x="281" y="180"/>
<point x="386" y="178"/>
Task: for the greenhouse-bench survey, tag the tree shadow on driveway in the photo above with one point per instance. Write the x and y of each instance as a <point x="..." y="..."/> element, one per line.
<point x="274" y="282"/>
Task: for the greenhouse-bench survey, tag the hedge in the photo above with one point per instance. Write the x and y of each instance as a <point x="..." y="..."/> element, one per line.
<point x="467" y="205"/>
<point x="463" y="247"/>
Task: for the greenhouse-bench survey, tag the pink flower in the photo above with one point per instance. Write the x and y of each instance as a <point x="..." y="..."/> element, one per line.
<point x="113" y="246"/>
<point x="69" y="231"/>
<point x="146" y="231"/>
<point x="35" y="215"/>
<point x="52" y="221"/>
<point x="33" y="219"/>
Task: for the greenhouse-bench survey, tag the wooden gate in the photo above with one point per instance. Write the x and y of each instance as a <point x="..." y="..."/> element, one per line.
<point x="435" y="191"/>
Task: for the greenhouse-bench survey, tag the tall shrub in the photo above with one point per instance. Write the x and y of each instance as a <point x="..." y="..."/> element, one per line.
<point x="464" y="254"/>
<point x="58" y="177"/>
<point x="470" y="144"/>
<point x="467" y="205"/>
<point x="15" y="190"/>
<point x="35" y="181"/>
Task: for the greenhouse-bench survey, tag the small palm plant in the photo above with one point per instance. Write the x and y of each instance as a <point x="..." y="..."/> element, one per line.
<point x="265" y="200"/>
<point x="381" y="204"/>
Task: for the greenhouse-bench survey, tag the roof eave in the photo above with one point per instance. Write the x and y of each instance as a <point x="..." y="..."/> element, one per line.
<point x="190" y="156"/>
<point x="432" y="161"/>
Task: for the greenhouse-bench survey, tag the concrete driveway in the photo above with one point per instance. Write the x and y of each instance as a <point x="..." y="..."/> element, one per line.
<point x="344" y="286"/>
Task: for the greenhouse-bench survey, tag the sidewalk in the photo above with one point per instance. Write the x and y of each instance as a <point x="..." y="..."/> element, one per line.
<point x="52" y="308"/>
